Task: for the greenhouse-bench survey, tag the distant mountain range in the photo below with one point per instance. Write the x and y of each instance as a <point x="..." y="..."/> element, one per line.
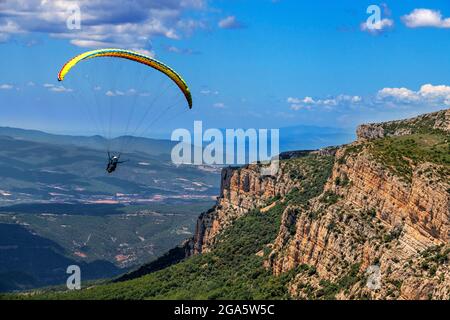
<point x="36" y="166"/>
<point x="58" y="206"/>
<point x="133" y="144"/>
<point x="301" y="137"/>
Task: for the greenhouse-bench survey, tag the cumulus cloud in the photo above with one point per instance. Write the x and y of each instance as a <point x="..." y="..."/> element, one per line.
<point x="127" y="23"/>
<point x="293" y="100"/>
<point x="307" y="103"/>
<point x="430" y="91"/>
<point x="58" y="89"/>
<point x="230" y="22"/>
<point x="425" y="18"/>
<point x="55" y="88"/>
<point x="428" y="94"/>
<point x="403" y="94"/>
<point x="308" y="100"/>
<point x="6" y="86"/>
<point x="110" y="93"/>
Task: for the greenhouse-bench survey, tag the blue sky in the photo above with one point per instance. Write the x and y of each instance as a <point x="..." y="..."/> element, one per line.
<point x="263" y="64"/>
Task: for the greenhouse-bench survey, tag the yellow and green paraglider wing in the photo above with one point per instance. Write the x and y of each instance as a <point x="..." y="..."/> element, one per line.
<point x="134" y="56"/>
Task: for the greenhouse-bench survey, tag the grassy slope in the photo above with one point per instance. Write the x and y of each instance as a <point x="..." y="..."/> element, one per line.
<point x="402" y="153"/>
<point x="232" y="270"/>
<point x="424" y="143"/>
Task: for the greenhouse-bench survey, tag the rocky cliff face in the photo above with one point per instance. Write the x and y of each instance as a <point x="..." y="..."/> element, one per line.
<point x="375" y="220"/>
<point x="437" y="120"/>
<point x="242" y="189"/>
<point x="372" y="232"/>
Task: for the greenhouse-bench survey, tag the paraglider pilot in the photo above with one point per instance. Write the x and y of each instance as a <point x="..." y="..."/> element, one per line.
<point x="112" y="163"/>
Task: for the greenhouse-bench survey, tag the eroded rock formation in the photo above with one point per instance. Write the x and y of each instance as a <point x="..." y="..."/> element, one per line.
<point x="367" y="218"/>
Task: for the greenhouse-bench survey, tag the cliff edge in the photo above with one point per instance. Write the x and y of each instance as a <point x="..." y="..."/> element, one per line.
<point x="383" y="214"/>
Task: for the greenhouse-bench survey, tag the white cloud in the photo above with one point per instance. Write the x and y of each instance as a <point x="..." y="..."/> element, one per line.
<point x="307" y="102"/>
<point x="127" y="23"/>
<point x="377" y="27"/>
<point x="189" y="26"/>
<point x="208" y="92"/>
<point x="173" y="49"/>
<point x="401" y="94"/>
<point x="8" y="27"/>
<point x="230" y="22"/>
<point x="425" y="18"/>
<point x="6" y="86"/>
<point x="344" y="108"/>
<point x="114" y="93"/>
<point x="178" y="50"/>
<point x="149" y="53"/>
<point x="329" y="102"/>
<point x="428" y="94"/>
<point x="297" y="107"/>
<point x="119" y="93"/>
<point x="219" y="105"/>
<point x="54" y="88"/>
<point x="58" y="89"/>
<point x="430" y="91"/>
<point x="293" y="100"/>
<point x="349" y="98"/>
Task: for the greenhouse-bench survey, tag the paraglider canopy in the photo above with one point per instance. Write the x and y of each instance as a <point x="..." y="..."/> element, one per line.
<point x="134" y="56"/>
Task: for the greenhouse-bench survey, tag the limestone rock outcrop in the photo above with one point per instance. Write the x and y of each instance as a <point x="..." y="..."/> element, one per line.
<point x="367" y="218"/>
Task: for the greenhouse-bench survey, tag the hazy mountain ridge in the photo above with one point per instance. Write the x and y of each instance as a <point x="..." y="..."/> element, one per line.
<point x="38" y="171"/>
<point x="97" y="142"/>
<point x="56" y="188"/>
